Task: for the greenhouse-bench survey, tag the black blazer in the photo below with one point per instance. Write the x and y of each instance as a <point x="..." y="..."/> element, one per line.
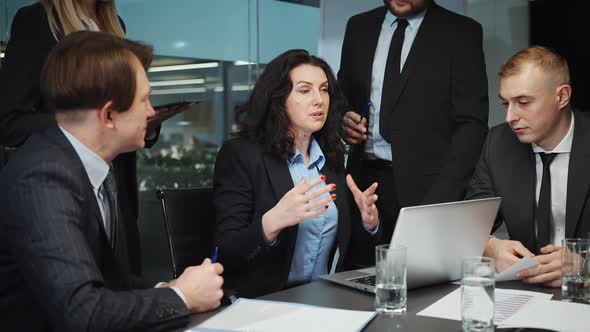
<point x="57" y="267"/>
<point x="507" y="169"/>
<point x="248" y="183"/>
<point x="21" y="113"/>
<point x="438" y="120"/>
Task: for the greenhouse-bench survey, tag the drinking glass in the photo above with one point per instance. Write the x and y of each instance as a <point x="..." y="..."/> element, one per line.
<point x="575" y="270"/>
<point x="477" y="294"/>
<point x="390" y="281"/>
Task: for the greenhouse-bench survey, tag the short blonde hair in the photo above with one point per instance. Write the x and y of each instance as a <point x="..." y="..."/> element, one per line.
<point x="543" y="58"/>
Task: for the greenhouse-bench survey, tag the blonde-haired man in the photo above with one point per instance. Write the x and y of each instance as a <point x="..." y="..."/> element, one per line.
<point x="538" y="163"/>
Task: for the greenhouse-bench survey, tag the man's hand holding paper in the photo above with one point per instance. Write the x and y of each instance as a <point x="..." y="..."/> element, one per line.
<point x="548" y="272"/>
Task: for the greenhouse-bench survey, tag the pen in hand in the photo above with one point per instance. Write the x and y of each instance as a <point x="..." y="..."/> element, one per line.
<point x="215" y="255"/>
<point x="365" y="111"/>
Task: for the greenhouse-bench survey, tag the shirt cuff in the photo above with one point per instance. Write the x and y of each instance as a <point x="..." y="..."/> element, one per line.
<point x="175" y="289"/>
<point x="374" y="231"/>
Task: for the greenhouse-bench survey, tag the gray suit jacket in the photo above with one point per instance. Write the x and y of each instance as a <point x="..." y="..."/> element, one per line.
<point x="57" y="267"/>
<point x="507" y="169"/>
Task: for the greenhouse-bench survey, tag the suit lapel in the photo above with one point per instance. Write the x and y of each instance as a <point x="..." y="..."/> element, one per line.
<point x="278" y="175"/>
<point x="419" y="53"/>
<point x="524" y="183"/>
<point x="370" y="34"/>
<point x="578" y="180"/>
<point x="74" y="162"/>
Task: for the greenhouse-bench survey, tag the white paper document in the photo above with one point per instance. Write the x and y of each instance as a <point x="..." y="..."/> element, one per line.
<point x="507" y="303"/>
<point x="510" y="273"/>
<point x="552" y="315"/>
<point x="261" y="316"/>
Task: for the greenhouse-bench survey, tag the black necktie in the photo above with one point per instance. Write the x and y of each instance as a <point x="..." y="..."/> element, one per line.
<point x="543" y="213"/>
<point x="392" y="76"/>
<point x="111" y="212"/>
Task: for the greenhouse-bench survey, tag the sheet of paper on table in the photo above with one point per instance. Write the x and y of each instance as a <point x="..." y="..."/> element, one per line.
<point x="260" y="316"/>
<point x="552" y="315"/>
<point x="507" y="301"/>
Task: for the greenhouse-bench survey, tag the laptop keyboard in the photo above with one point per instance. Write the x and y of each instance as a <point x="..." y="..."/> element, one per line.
<point x="367" y="280"/>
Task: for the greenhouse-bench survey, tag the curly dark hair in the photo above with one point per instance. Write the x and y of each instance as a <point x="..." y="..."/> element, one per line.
<point x="264" y="117"/>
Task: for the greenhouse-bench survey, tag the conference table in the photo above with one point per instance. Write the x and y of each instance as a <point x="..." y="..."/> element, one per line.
<point x="327" y="294"/>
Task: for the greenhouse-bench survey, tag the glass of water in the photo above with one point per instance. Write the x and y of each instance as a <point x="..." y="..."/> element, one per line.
<point x="390" y="280"/>
<point x="477" y="294"/>
<point x="575" y="270"/>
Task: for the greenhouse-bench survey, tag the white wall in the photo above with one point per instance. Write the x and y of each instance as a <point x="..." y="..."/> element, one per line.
<point x="505" y="24"/>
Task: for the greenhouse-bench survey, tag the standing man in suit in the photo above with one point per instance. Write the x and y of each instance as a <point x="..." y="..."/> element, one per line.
<point x="414" y="75"/>
<point x="538" y="163"/>
<point x="63" y="258"/>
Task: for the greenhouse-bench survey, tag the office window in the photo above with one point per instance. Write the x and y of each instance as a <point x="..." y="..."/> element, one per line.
<point x="185" y="152"/>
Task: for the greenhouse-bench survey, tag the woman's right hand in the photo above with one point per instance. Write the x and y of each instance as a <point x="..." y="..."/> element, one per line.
<point x="298" y="204"/>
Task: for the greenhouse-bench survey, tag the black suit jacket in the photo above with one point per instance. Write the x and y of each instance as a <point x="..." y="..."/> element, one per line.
<point x="248" y="183"/>
<point x="21" y="112"/>
<point x="438" y="120"/>
<point x="507" y="169"/>
<point x="57" y="267"/>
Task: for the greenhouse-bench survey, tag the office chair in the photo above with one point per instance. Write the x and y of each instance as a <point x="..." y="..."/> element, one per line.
<point x="189" y="217"/>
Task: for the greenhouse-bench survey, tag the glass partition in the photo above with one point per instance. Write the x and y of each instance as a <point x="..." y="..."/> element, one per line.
<point x="186" y="149"/>
<point x="213" y="55"/>
<point x="209" y="51"/>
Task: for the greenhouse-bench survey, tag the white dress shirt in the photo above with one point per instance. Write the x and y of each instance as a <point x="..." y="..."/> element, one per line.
<point x="376" y="146"/>
<point x="559" y="171"/>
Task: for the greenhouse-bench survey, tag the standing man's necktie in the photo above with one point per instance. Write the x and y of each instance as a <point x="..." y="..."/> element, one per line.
<point x="392" y="76"/>
<point x="543" y="213"/>
<point x="111" y="207"/>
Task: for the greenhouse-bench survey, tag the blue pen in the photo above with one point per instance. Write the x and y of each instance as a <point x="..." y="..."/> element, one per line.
<point x="365" y="111"/>
<point x="215" y="254"/>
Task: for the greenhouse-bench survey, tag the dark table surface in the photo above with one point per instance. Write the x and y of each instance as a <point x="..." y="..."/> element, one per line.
<point x="324" y="293"/>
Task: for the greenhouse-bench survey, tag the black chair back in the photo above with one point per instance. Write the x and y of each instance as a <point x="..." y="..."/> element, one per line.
<point x="189" y="217"/>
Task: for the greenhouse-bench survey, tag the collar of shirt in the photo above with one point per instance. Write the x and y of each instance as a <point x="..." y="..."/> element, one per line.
<point x="316" y="156"/>
<point x="413" y="21"/>
<point x="565" y="146"/>
<point x="96" y="168"/>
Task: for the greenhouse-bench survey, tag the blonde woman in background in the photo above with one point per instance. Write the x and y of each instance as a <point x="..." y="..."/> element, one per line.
<point x="35" y="30"/>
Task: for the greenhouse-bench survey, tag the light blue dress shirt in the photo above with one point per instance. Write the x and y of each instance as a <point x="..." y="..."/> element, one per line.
<point x="375" y="145"/>
<point x="315" y="236"/>
<point x="96" y="169"/>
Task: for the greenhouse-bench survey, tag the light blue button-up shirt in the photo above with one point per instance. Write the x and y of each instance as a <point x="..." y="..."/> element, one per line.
<point x="375" y="145"/>
<point x="315" y="236"/>
<point x="96" y="168"/>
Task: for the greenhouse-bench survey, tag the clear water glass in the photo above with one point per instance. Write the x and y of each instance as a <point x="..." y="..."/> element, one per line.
<point x="390" y="281"/>
<point x="575" y="270"/>
<point x="477" y="294"/>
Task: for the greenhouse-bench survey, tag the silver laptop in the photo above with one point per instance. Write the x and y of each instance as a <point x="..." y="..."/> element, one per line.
<point x="437" y="236"/>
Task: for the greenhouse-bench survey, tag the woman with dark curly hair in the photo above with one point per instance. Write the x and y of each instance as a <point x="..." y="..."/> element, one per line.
<point x="282" y="206"/>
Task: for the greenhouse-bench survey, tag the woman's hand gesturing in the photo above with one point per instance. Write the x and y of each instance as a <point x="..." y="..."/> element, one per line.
<point x="298" y="204"/>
